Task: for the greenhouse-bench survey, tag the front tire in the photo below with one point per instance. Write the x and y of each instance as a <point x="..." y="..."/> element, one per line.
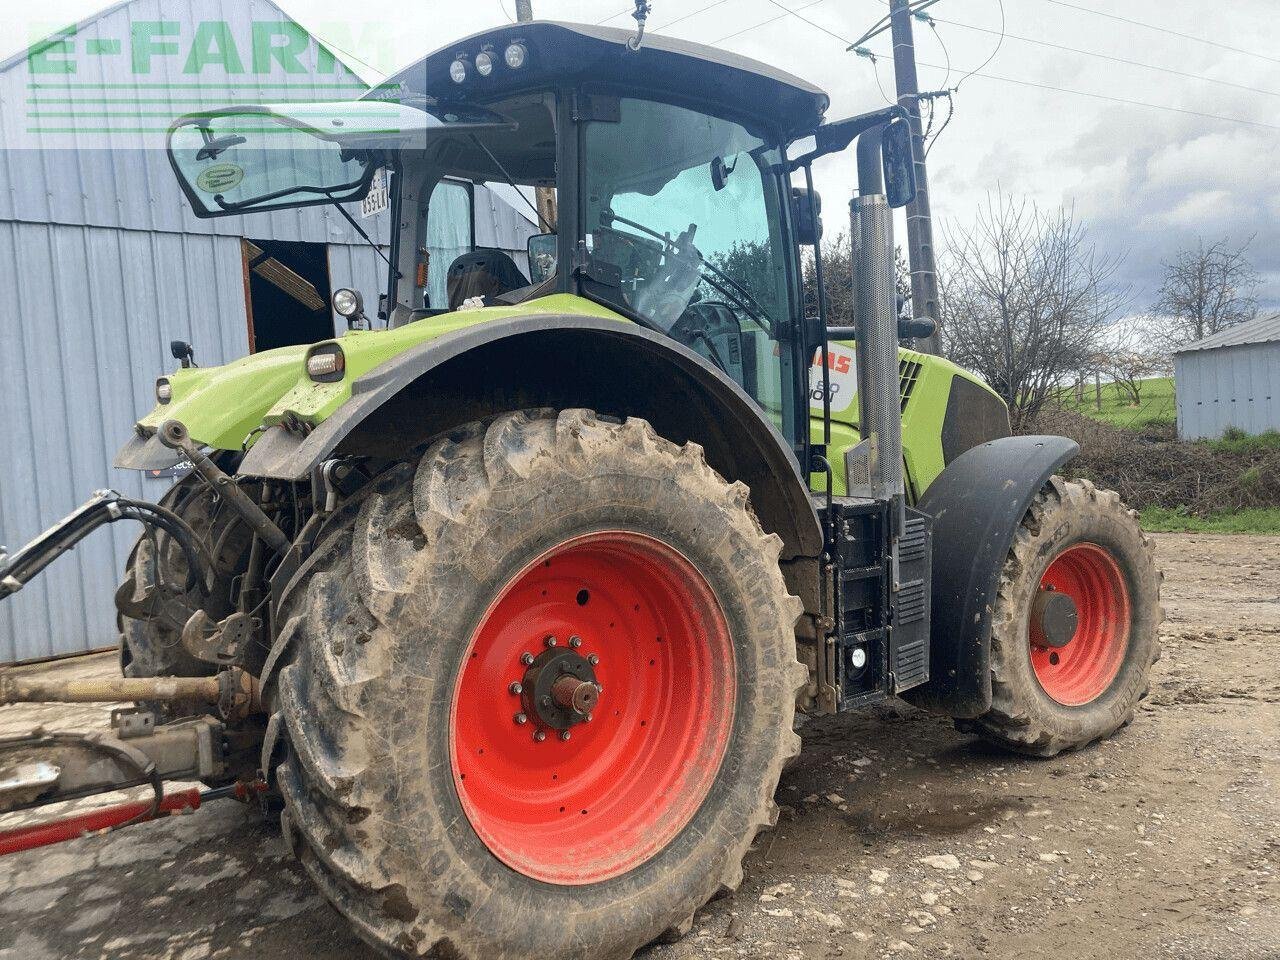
<point x="1059" y="686"/>
<point x="426" y="810"/>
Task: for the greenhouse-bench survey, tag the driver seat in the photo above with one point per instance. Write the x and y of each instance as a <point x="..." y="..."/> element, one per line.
<point x="482" y="273"/>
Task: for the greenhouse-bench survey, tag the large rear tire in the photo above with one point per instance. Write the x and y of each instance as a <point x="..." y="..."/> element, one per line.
<point x="440" y="807"/>
<point x="1066" y="674"/>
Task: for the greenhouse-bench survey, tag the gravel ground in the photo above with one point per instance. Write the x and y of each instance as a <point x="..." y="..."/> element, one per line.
<point x="899" y="837"/>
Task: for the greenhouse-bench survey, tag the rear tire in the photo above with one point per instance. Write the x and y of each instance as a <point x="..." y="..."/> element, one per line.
<point x="401" y="621"/>
<point x="1081" y="541"/>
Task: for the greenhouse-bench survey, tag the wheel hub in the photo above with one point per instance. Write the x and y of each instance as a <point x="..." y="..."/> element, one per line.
<point x="559" y="688"/>
<point x="1054" y="618"/>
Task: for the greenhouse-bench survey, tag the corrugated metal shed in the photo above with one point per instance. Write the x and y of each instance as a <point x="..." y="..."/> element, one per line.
<point x="1230" y="379"/>
<point x="1261" y="330"/>
<point x="102" y="264"/>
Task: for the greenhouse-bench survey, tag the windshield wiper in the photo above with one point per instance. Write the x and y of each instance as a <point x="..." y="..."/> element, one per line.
<point x="745" y="301"/>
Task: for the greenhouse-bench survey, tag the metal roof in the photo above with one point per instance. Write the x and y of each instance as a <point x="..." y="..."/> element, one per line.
<point x="576" y="53"/>
<point x="1261" y="330"/>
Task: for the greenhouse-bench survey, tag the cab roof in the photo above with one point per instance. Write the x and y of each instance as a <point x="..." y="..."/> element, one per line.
<point x="574" y="53"/>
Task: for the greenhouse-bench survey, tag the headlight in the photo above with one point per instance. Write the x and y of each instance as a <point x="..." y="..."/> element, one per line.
<point x="347" y="302"/>
<point x="164" y="390"/>
<point x="515" y="55"/>
<point x="326" y="363"/>
<point x="484" y="63"/>
<point x="458" y="70"/>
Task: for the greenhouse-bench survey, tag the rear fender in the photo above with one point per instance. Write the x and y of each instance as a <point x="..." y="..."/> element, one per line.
<point x="559" y="361"/>
<point x="976" y="504"/>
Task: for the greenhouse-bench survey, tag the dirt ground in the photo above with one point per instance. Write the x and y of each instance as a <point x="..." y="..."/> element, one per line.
<point x="898" y="838"/>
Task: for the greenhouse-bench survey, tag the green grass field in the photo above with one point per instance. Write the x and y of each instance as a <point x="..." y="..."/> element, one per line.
<point x="1157" y="404"/>
<point x="1166" y="520"/>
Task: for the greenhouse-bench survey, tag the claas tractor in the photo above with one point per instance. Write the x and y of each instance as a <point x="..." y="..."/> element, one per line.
<point x="505" y="601"/>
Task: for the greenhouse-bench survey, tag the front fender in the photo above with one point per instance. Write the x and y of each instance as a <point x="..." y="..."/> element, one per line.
<point x="976" y="504"/>
<point x="561" y="360"/>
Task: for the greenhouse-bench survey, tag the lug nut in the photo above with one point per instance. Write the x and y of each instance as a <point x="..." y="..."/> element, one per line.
<point x="550" y="641"/>
<point x="539" y="736"/>
<point x="593" y="660"/>
<point x="520" y="718"/>
<point x="575" y="642"/>
<point x="516" y="688"/>
<point x="564" y="734"/>
<point x="526" y="658"/>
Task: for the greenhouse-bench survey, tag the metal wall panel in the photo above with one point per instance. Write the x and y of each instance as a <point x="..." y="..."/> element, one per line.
<point x="91" y="313"/>
<point x="1236" y="386"/>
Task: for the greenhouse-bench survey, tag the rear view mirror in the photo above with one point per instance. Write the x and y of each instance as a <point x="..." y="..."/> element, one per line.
<point x="542" y="256"/>
<point x="899" y="163"/>
<point x="808" y="222"/>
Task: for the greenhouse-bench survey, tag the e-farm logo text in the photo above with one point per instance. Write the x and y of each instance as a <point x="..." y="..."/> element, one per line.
<point x="156" y="70"/>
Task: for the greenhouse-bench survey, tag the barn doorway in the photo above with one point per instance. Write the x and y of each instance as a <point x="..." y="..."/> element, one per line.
<point x="286" y="292"/>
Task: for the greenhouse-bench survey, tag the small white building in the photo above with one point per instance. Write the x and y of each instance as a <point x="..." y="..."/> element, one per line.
<point x="1230" y="379"/>
<point x="102" y="264"/>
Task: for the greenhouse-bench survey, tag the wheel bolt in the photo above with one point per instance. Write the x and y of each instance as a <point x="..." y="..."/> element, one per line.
<point x="516" y="688"/>
<point x="521" y="719"/>
<point x="575" y="642"/>
<point x="593" y="660"/>
<point x="539" y="736"/>
<point x="526" y="658"/>
<point x="564" y="734"/>
<point x="550" y="641"/>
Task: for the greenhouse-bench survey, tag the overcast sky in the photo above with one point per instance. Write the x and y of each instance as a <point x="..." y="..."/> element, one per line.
<point x="1144" y="180"/>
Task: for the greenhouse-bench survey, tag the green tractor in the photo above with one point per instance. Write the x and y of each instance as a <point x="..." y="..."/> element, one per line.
<point x="506" y="600"/>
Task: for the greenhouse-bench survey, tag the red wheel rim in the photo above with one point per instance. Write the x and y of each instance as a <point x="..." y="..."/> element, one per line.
<point x="1083" y="669"/>
<point x="627" y="782"/>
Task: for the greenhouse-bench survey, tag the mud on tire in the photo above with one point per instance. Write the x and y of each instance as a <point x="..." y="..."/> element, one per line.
<point x="377" y="626"/>
<point x="1024" y="717"/>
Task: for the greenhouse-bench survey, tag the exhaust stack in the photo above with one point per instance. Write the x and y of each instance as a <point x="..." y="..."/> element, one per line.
<point x="876" y="322"/>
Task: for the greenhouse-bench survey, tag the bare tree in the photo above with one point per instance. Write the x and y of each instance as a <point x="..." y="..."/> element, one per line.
<point x="1134" y="350"/>
<point x="1025" y="299"/>
<point x="837" y="276"/>
<point x="1206" y="289"/>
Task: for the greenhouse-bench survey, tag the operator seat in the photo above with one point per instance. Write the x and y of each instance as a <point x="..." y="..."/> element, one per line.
<point x="482" y="273"/>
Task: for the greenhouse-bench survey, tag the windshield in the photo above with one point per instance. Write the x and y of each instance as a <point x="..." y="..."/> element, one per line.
<point x="682" y="222"/>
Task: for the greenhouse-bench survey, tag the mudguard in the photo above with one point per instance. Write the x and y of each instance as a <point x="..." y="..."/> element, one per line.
<point x="648" y="374"/>
<point x="976" y="503"/>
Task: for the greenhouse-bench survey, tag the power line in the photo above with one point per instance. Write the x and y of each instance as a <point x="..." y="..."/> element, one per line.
<point x="765" y="23"/>
<point x="690" y="16"/>
<point x="1113" y="99"/>
<point x="1106" y="56"/>
<point x="1165" y="30"/>
<point x="992" y="55"/>
<point x="811" y="23"/>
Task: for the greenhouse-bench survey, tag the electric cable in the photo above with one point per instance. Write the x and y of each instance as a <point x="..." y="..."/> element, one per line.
<point x="1165" y="30"/>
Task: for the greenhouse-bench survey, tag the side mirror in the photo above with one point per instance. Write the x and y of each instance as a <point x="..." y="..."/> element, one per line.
<point x="181" y="350"/>
<point x="899" y="163"/>
<point x="542" y="256"/>
<point x="807" y="221"/>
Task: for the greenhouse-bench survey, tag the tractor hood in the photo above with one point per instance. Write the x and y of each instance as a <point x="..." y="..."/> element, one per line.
<point x="225" y="408"/>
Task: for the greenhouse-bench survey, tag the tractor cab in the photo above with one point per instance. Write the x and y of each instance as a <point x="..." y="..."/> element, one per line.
<point x="658" y="182"/>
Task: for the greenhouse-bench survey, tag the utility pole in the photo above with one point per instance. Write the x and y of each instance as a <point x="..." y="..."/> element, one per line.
<point x="920" y="253"/>
<point x="545" y="196"/>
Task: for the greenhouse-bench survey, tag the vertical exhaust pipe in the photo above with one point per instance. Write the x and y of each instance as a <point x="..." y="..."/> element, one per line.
<point x="879" y="404"/>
